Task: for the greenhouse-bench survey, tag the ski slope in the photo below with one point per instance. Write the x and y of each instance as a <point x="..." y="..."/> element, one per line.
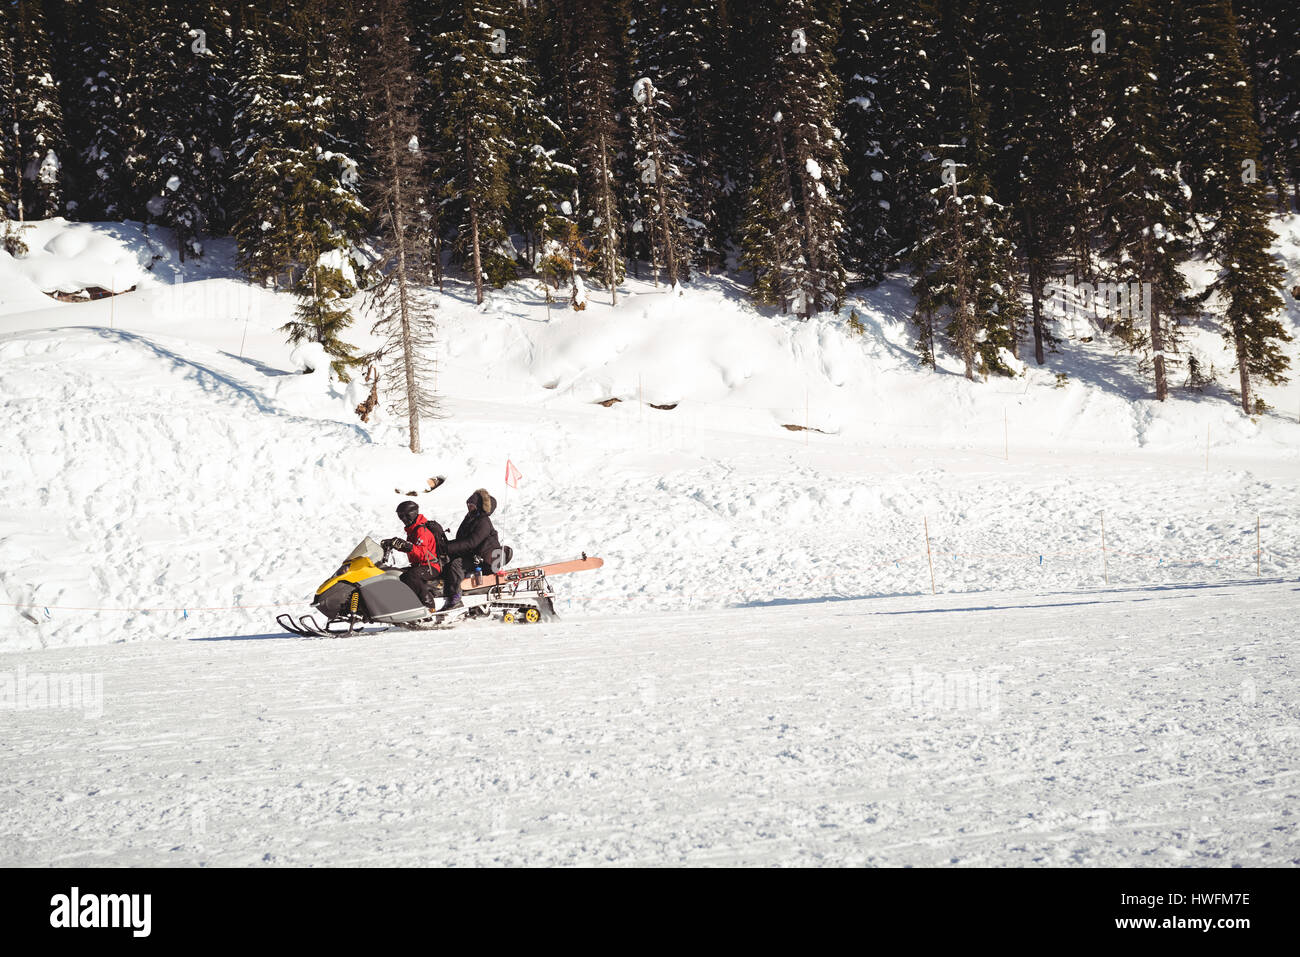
<point x="727" y="687"/>
<point x="168" y="473"/>
<point x="1142" y="727"/>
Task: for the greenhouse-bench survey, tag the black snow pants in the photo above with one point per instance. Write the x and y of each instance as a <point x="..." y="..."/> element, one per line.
<point x="453" y="573"/>
<point x="422" y="580"/>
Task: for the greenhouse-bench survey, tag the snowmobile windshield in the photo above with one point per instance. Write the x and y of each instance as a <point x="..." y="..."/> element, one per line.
<point x="368" y="548"/>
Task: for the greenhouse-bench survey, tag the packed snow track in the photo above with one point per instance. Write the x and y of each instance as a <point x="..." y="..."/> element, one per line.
<point x="1126" y="726"/>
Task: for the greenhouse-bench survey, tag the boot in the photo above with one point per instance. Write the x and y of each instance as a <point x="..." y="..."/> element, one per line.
<point x="453" y="602"/>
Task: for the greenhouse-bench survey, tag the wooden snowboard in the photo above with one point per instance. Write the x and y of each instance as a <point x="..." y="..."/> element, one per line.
<point x="508" y="575"/>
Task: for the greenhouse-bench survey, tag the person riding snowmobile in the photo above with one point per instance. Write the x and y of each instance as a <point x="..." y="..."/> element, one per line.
<point x="475" y="545"/>
<point x="424" y="545"/>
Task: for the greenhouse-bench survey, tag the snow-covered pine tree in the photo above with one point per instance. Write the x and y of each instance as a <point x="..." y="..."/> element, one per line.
<point x="676" y="46"/>
<point x="9" y="170"/>
<point x="597" y="138"/>
<point x="31" y="130"/>
<point x="737" y="130"/>
<point x="404" y="309"/>
<point x="544" y="184"/>
<point x="1248" y="281"/>
<point x="801" y="100"/>
<point x="1142" y="208"/>
<point x="770" y="237"/>
<point x="473" y="55"/>
<point x="1271" y="51"/>
<point x="661" y="178"/>
<point x="543" y="179"/>
<point x="334" y="214"/>
<point x="297" y="172"/>
<point x="1221" y="139"/>
<point x="1211" y="106"/>
<point x="965" y="273"/>
<point x="1028" y="59"/>
<point x="884" y="64"/>
<point x="322" y="315"/>
<point x="116" y="110"/>
<point x="964" y="263"/>
<point x="190" y="146"/>
<point x="425" y="58"/>
<point x="267" y="225"/>
<point x="334" y="127"/>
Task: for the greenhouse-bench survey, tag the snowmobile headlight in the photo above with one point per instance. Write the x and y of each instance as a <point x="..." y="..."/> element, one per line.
<point x="343" y="570"/>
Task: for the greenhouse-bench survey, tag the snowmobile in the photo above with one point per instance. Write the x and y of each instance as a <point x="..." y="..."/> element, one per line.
<point x="367" y="590"/>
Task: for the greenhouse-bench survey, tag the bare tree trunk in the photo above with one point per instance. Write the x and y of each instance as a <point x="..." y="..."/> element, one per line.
<point x="1036" y="299"/>
<point x="478" y="262"/>
<point x="1157" y="334"/>
<point x="17" y="145"/>
<point x="607" y="222"/>
<point x="473" y="215"/>
<point x="965" y="330"/>
<point x="1244" y="373"/>
<point x="665" y="225"/>
<point x="814" y="304"/>
<point x="789" y="198"/>
<point x="399" y="232"/>
<point x="1157" y="349"/>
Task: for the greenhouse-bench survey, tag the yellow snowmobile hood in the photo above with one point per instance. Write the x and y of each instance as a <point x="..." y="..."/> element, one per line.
<point x="353" y="571"/>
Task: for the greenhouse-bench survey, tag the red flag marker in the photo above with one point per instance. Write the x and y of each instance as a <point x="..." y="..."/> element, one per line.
<point x="513" y="475"/>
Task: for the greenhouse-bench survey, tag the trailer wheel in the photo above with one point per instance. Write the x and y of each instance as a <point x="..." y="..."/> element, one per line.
<point x="532" y="615"/>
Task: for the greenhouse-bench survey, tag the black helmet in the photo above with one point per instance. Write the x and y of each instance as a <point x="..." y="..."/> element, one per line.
<point x="408" y="512"/>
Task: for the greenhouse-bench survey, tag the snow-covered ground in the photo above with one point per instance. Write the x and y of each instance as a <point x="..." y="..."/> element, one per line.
<point x="167" y="474"/>
<point x="1123" y="726"/>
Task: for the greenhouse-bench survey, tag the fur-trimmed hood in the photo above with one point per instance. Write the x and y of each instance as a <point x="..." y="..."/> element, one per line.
<point x="486" y="503"/>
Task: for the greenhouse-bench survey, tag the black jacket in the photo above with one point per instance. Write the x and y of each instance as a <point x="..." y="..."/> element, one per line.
<point x="476" y="541"/>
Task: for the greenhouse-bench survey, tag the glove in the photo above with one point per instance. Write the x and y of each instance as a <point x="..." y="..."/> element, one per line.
<point x="387" y="543"/>
<point x="401" y="544"/>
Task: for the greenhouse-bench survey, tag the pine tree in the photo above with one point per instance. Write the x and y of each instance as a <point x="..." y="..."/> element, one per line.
<point x="964" y="262"/>
<point x="543" y="177"/>
<point x="297" y="175"/>
<point x="1141" y="203"/>
<point x="597" y="138"/>
<point x="964" y="267"/>
<point x="114" y="108"/>
<point x="189" y="93"/>
<point x="473" y="58"/>
<point x="1271" y="51"/>
<point x="802" y="169"/>
<point x="404" y="312"/>
<point x="1221" y="138"/>
<point x="9" y="169"/>
<point x="1027" y="60"/>
<point x="334" y="133"/>
<point x="740" y="129"/>
<point x="269" y="226"/>
<point x="884" y="64"/>
<point x="322" y="316"/>
<point x="675" y="46"/>
<point x="32" y="128"/>
<point x="659" y="162"/>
